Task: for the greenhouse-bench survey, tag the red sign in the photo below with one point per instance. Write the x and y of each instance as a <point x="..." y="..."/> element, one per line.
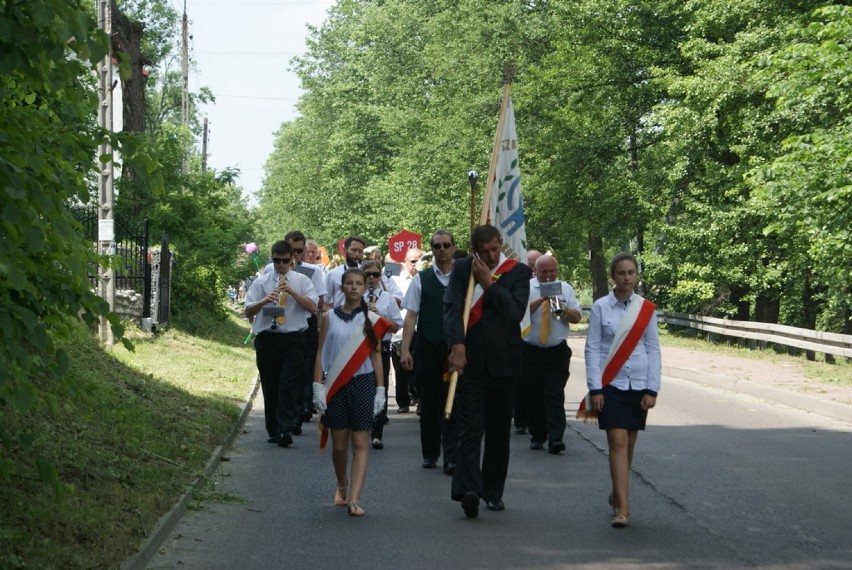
<point x="340" y="247"/>
<point x="402" y="242"/>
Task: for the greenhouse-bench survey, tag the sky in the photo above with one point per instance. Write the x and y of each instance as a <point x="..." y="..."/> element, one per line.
<point x="241" y="51"/>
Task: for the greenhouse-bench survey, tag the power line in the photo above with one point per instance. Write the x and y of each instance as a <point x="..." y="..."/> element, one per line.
<point x="254" y="97"/>
<point x="242" y="53"/>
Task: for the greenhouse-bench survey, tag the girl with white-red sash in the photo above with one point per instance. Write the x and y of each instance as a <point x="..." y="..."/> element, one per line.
<point x="623" y="374"/>
<point x="348" y="385"/>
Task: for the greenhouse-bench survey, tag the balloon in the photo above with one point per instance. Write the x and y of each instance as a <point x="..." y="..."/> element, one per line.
<point x="251" y="247"/>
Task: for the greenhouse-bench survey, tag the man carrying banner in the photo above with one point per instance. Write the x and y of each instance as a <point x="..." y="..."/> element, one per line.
<point x="623" y="374"/>
<point x="488" y="359"/>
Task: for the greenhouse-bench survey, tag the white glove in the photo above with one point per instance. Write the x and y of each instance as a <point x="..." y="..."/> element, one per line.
<point x="319" y="398"/>
<point x="379" y="402"/>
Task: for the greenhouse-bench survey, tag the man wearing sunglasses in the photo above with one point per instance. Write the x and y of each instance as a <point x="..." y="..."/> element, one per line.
<point x="424" y="303"/>
<point x="315" y="272"/>
<point x="279" y="303"/>
<point x="488" y="357"/>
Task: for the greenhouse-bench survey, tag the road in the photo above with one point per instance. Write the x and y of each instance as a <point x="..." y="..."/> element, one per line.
<point x="720" y="480"/>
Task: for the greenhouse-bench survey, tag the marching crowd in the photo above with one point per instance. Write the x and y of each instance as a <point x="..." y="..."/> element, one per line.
<point x="327" y="337"/>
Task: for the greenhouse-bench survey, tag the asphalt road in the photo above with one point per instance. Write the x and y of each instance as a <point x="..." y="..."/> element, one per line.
<point x="720" y="480"/>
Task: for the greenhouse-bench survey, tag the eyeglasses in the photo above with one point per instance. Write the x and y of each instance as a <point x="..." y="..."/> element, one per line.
<point x="281" y="260"/>
<point x="444" y="245"/>
<point x="298" y="250"/>
<point x="373" y="273"/>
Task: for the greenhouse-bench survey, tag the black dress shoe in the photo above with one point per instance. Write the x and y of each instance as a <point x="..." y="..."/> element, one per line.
<point x="272" y="439"/>
<point x="306" y="416"/>
<point x="495" y="505"/>
<point x="520" y="430"/>
<point x="555" y="447"/>
<point x="536" y="445"/>
<point x="402" y="410"/>
<point x="470" y="504"/>
<point x="285" y="440"/>
<point x="296" y="430"/>
<point x="430" y="463"/>
<point x="449" y="468"/>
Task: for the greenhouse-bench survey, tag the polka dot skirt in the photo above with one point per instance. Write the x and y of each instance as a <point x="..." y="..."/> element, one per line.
<point x="352" y="406"/>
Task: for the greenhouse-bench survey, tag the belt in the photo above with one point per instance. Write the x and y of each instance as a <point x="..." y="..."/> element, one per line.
<point x="532" y="346"/>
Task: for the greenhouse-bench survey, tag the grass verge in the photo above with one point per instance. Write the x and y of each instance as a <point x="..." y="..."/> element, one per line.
<point x="136" y="431"/>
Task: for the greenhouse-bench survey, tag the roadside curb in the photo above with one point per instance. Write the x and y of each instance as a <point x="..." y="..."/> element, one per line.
<point x="168" y="521"/>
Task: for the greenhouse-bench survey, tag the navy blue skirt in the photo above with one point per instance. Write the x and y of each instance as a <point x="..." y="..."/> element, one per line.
<point x="352" y="406"/>
<point x="622" y="410"/>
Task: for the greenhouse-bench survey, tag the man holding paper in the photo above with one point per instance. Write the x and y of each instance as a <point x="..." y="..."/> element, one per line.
<point x="553" y="305"/>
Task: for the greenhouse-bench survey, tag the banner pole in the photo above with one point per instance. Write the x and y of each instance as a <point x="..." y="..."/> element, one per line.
<point x="483" y="219"/>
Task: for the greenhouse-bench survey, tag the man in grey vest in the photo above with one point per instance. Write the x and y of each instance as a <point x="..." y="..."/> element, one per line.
<point x="424" y="303"/>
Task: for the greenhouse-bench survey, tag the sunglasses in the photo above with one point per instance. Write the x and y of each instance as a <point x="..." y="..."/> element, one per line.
<point x="444" y="245"/>
<point x="281" y="260"/>
<point x="297" y="250"/>
<point x="413" y="261"/>
<point x="373" y="273"/>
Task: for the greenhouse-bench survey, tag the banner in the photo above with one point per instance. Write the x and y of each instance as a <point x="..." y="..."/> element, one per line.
<point x="506" y="204"/>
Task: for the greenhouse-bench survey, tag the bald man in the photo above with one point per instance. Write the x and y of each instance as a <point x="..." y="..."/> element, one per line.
<point x="546" y="357"/>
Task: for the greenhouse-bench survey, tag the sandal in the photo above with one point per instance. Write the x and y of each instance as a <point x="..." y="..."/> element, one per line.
<point x="355" y="509"/>
<point x="620" y="521"/>
<point x="340" y="496"/>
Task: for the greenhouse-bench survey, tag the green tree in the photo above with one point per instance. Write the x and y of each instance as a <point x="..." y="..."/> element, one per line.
<point x="48" y="140"/>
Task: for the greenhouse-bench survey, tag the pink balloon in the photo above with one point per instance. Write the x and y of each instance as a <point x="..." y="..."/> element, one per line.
<point x="251" y="247"/>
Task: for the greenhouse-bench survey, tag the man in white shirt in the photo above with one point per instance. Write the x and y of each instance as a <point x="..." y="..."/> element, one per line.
<point x="278" y="304"/>
<point x="547" y="355"/>
<point x="406" y="390"/>
<point x="353" y="251"/>
<point x="424" y="303"/>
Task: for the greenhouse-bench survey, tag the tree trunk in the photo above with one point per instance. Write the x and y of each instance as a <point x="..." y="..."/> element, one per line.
<point x="738" y="299"/>
<point x="597" y="264"/>
<point x="127" y="38"/>
<point x="766" y="308"/>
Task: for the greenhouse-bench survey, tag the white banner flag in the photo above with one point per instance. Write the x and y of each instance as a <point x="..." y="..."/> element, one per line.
<point x="507" y="204"/>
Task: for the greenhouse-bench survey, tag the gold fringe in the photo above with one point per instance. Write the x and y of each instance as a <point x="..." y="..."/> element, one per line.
<point x="588" y="416"/>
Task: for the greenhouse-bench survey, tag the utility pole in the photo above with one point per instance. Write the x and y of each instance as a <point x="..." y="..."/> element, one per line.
<point x="184" y="67"/>
<point x="204" y="149"/>
<point x="106" y="212"/>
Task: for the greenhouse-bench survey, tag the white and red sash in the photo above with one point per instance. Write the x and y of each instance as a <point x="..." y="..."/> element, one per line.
<point x="478" y="291"/>
<point x="350" y="358"/>
<point x="632" y="327"/>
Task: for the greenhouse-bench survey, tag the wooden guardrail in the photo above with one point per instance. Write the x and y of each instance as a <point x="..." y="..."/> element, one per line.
<point x="805" y="339"/>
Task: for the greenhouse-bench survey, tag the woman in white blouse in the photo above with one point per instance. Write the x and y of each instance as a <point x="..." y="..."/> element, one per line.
<point x="623" y="384"/>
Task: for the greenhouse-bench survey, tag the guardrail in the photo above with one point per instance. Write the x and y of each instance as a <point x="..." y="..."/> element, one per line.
<point x="805" y="339"/>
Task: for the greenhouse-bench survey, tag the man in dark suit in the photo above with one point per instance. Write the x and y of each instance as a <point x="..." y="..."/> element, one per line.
<point x="489" y="360"/>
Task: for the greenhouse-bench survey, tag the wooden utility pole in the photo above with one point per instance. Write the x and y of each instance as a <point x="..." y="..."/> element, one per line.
<point x="204" y="148"/>
<point x="106" y="211"/>
<point x="184" y="68"/>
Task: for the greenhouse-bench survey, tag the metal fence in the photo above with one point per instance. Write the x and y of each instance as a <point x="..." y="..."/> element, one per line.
<point x="131" y="243"/>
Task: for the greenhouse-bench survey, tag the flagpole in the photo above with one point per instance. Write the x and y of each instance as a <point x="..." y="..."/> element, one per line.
<point x="495" y="154"/>
<point x="483" y="219"/>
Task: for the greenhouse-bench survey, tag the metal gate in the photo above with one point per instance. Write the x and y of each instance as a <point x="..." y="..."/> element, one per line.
<point x="131" y="246"/>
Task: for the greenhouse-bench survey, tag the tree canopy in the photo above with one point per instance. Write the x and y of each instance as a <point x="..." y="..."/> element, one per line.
<point x="710" y="137"/>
